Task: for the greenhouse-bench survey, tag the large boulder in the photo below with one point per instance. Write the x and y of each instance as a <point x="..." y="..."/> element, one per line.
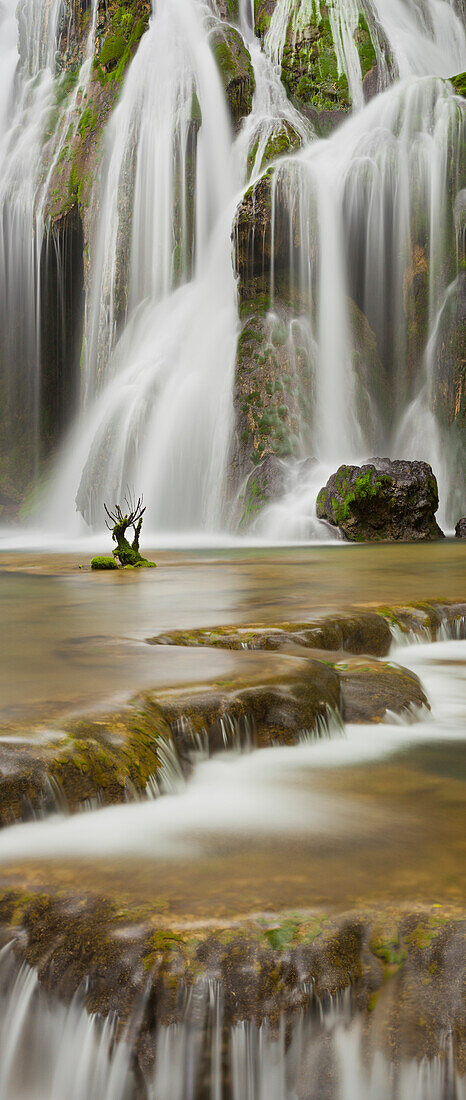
<point x="382" y="500"/>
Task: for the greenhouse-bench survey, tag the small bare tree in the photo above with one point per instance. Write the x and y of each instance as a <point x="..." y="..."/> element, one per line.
<point x="126" y="552"/>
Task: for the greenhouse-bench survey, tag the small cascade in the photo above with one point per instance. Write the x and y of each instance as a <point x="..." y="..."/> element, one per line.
<point x="317" y="1052"/>
<point x="326" y="726"/>
<point x="451" y="629"/>
<point x="49" y="1051"/>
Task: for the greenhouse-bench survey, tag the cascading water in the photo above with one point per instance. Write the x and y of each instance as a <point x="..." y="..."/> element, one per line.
<point x="379" y="190"/>
<point x="161" y="317"/>
<point x="30" y="95"/>
<point x="48" y="1051"/>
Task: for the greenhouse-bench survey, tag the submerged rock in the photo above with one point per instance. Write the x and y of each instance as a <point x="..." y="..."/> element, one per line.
<point x="370" y="691"/>
<point x="382" y="500"/>
<point x="265" y="484"/>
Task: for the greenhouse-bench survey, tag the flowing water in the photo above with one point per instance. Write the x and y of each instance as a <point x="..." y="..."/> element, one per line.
<point x="367" y="815"/>
<point x="53" y="1053"/>
<point x="371" y="809"/>
<point x="161" y="316"/>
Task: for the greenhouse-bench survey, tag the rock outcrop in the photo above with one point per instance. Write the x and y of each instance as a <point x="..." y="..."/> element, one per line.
<point x="382" y="500"/>
<point x="235" y="69"/>
<point x="460" y="529"/>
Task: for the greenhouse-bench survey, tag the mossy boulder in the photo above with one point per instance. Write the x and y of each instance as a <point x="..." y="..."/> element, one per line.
<point x="277" y="711"/>
<point x="383" y="500"/>
<point x="102" y="759"/>
<point x="459" y="84"/>
<point x="371" y="690"/>
<point x="236" y="72"/>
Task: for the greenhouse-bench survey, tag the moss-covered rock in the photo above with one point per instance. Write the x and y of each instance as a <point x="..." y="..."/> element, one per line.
<point x="236" y="72"/>
<point x="265" y="484"/>
<point x="459" y="84"/>
<point x="283" y="141"/>
<point x="388" y="500"/>
<point x="274" y="400"/>
<point x="310" y="68"/>
<point x="101" y="759"/>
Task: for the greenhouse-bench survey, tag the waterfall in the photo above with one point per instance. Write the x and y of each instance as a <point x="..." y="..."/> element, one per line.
<point x="48" y="1051"/>
<point x="368" y="217"/>
<point x="31" y="94"/>
<point x="162" y="296"/>
<point x="364" y="216"/>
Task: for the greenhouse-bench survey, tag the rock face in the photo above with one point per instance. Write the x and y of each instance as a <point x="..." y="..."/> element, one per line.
<point x="236" y="73"/>
<point x="449" y="370"/>
<point x="265" y="484"/>
<point x="382" y="500"/>
<point x="460" y="529"/>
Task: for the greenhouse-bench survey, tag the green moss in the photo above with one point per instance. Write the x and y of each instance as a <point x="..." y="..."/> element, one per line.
<point x="310" y="68"/>
<point x="283" y="141"/>
<point x="119" y="45"/>
<point x="112" y="50"/>
<point x="367" y="56"/>
<point x="389" y="950"/>
<point x="425" y="932"/>
<point x="235" y="69"/>
<point x="366" y="487"/>
<point x="104" y="563"/>
<point x="87" y="122"/>
<point x="459" y="84"/>
<point x="282" y="936"/>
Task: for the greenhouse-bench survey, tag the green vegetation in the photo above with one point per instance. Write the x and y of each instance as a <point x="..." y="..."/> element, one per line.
<point x="459" y="84"/>
<point x="235" y="69"/>
<point x="102" y="562"/>
<point x="119" y="45"/>
<point x="366" y="487"/>
<point x="310" y="68"/>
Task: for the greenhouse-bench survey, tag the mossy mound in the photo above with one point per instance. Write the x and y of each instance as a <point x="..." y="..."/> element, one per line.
<point x="104" y="563"/>
<point x="369" y="691"/>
